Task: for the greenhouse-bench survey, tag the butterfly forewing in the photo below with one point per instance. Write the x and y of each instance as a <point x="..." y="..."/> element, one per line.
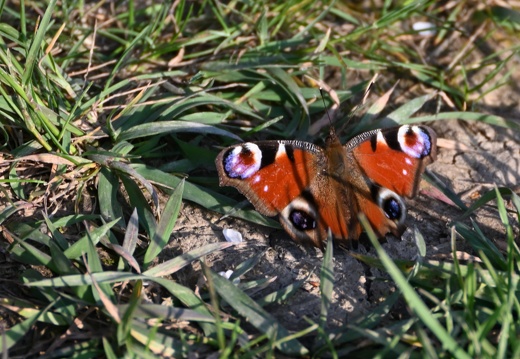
<point x="270" y="174"/>
<point x="395" y="158"/>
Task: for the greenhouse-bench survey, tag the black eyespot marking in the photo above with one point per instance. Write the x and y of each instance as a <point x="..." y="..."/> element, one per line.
<point x="242" y="161"/>
<point x="424" y="138"/>
<point x="302" y="221"/>
<point x="416" y="141"/>
<point x="390" y="203"/>
<point x="392" y="208"/>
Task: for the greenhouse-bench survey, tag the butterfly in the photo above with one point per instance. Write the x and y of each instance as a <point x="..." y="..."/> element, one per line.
<point x="312" y="189"/>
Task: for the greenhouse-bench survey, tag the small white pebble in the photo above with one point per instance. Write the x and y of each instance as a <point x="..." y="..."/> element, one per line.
<point x="424" y="28"/>
<point x="227" y="274"/>
<point x="232" y="236"/>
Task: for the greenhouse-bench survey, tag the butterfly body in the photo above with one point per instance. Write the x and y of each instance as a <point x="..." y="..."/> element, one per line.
<point x="313" y="189"/>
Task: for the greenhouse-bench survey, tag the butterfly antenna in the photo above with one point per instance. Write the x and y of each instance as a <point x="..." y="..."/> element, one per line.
<point x="369" y="87"/>
<point x="332" y="130"/>
<point x="355" y="112"/>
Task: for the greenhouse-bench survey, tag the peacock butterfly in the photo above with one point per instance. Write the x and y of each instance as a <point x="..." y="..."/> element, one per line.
<point x="312" y="189"/>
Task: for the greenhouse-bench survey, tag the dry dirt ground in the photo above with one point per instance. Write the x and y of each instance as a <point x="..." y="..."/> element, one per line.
<point x="472" y="158"/>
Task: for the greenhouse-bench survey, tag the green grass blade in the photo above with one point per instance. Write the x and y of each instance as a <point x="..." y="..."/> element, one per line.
<point x="86" y="279"/>
<point x="164" y="312"/>
<point x="128" y="312"/>
<point x="56" y="235"/>
<point x="437" y="182"/>
<point x="256" y="315"/>
<point x="94" y="266"/>
<point x="12" y="335"/>
<point x="185" y="295"/>
<point x="467" y="116"/>
<point x="190" y="299"/>
<point x="130" y="241"/>
<point x="94" y="236"/>
<point x="484" y="199"/>
<point x="282" y="294"/>
<point x="480" y="243"/>
<point x="31" y="254"/>
<point x="37" y="41"/>
<point x="205" y="197"/>
<point x="179" y="262"/>
<point x="326" y="282"/>
<point x="414" y="301"/>
<point x="139" y="202"/>
<point x="246" y="266"/>
<point x="108" y="186"/>
<point x="127" y="169"/>
<point x="405" y="111"/>
<point x="108" y="350"/>
<point x="516" y="202"/>
<point x="165" y="225"/>
<point x="165" y="127"/>
<point x="62" y="264"/>
<point x="161" y="344"/>
<point x="9" y="210"/>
